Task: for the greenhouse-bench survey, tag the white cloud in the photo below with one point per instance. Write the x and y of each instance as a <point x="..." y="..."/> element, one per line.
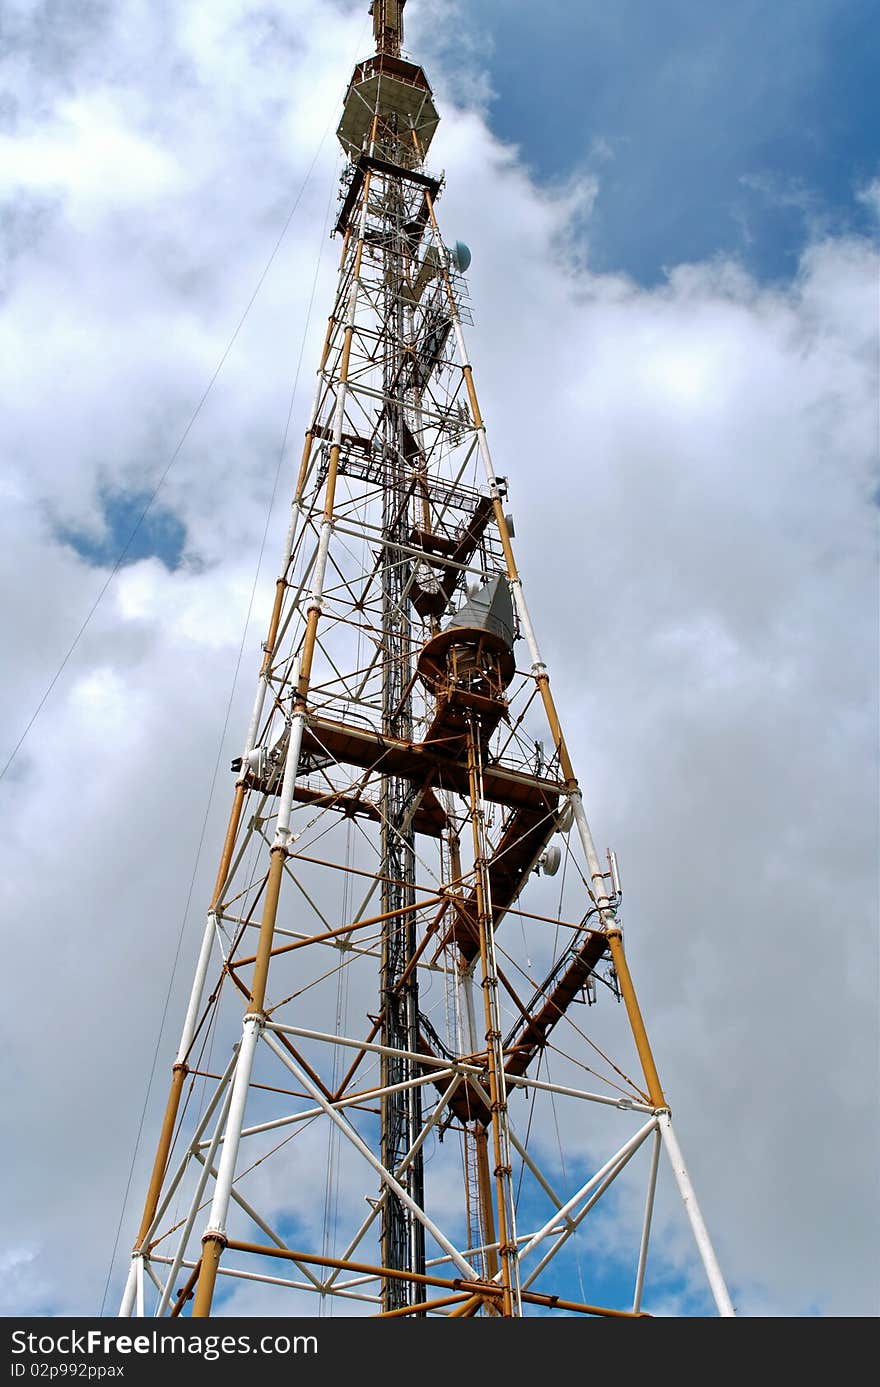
<point x="691" y="469"/>
<point x="88" y="155"/>
<point x="870" y="195"/>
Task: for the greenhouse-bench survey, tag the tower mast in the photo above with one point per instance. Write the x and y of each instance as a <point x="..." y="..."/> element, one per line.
<point x="394" y="827"/>
<point x="403" y="1237"/>
<point x="388" y="26"/>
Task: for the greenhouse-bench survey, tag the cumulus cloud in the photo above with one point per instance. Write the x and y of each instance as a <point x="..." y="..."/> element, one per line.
<point x="693" y="470"/>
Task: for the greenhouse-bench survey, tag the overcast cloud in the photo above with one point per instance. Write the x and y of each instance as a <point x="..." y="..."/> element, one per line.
<point x="693" y="472"/>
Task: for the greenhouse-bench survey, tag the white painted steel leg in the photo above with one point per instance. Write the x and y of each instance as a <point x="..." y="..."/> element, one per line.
<point x="291" y="767"/>
<point x="139" y="1311"/>
<point x="600" y="888"/>
<point x="646" y="1227"/>
<point x="254" y="724"/>
<point x="692" y="1208"/>
<point x="234" y="1122"/>
<point x="126" y="1305"/>
<point x="198" y="987"/>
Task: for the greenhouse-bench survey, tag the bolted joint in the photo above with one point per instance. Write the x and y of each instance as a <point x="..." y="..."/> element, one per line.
<point x="477" y="1287"/>
<point x="181" y="1067"/>
<point x="215" y="1235"/>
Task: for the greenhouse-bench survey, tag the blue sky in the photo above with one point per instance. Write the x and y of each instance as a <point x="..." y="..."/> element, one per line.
<point x="132" y="523"/>
<point x="733" y="128"/>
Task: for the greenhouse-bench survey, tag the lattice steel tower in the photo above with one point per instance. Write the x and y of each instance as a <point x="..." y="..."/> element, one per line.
<point x="409" y="900"/>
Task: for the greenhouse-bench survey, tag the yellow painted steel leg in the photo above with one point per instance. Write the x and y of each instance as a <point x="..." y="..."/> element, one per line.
<point x="212" y="1247"/>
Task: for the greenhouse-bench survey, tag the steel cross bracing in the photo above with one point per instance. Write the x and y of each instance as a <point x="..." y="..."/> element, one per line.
<point x="388" y="916"/>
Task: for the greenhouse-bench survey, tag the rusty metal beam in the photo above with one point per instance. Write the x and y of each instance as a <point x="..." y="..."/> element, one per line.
<point x="371" y="750"/>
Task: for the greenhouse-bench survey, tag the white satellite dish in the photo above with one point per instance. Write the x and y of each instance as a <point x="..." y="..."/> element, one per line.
<point x="550" y="859"/>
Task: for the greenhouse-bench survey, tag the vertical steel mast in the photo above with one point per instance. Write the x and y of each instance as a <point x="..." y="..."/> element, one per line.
<point x="403" y="1237"/>
<point x="410" y="920"/>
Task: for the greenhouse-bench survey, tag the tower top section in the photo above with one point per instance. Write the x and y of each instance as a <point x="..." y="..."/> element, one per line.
<point x="389" y="110"/>
<point x="388" y="25"/>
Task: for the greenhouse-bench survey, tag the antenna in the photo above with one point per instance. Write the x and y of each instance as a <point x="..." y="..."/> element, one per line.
<point x="388" y="26"/>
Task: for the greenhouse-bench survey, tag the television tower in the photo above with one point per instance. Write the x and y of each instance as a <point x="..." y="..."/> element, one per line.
<point x="385" y="1099"/>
